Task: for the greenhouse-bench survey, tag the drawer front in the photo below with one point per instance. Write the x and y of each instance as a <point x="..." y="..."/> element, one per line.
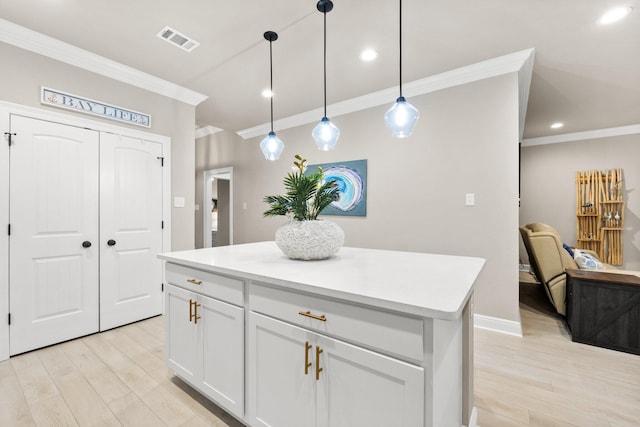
<point x="209" y="284"/>
<point x="392" y="333"/>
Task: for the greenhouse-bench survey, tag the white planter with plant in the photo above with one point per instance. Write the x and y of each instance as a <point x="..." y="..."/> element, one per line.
<point x="306" y="237"/>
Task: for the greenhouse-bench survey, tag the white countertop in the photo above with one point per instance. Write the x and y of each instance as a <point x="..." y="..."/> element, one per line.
<point x="427" y="285"/>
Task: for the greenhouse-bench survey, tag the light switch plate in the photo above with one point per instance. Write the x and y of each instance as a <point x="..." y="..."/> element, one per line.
<point x="470" y="199"/>
<point x="178" y="202"/>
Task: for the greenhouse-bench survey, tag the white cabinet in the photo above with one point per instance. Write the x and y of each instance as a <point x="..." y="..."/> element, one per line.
<point x="278" y="376"/>
<point x="205" y="337"/>
<point x="322" y="381"/>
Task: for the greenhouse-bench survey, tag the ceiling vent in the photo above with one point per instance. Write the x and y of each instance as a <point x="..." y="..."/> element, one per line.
<point x="180" y="40"/>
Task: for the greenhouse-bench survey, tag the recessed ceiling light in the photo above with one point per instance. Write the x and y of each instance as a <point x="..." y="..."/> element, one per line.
<point x="557" y="125"/>
<point x="615" y="14"/>
<point x="267" y="93"/>
<point x="368" y="55"/>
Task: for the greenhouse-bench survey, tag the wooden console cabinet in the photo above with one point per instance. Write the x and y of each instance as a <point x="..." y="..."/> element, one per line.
<point x="366" y="338"/>
<point x="603" y="309"/>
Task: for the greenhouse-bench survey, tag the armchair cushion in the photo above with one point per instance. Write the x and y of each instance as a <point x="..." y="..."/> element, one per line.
<point x="587" y="261"/>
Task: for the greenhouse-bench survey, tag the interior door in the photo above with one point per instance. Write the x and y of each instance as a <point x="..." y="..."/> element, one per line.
<point x="130" y="229"/>
<point x="53" y="268"/>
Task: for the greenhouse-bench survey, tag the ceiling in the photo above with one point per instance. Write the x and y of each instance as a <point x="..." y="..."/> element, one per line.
<point x="585" y="74"/>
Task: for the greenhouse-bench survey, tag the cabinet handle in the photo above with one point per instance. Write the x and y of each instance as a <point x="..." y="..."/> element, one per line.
<point x="313" y="316"/>
<point x="195" y="312"/>
<point x="318" y="368"/>
<point x="194" y="281"/>
<point x="307" y="364"/>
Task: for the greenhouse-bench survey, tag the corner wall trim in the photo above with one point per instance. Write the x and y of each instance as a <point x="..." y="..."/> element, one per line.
<point x="496" y="324"/>
<point x="581" y="136"/>
<point x="520" y="62"/>
<point x="42" y="44"/>
<point x="473" y="420"/>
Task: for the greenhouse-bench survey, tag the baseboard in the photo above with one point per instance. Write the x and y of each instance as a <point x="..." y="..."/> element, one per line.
<point x="496" y="324"/>
<point x="473" y="419"/>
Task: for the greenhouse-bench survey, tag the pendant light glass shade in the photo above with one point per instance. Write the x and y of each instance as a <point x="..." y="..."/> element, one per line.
<point x="401" y="118"/>
<point x="271" y="146"/>
<point x="325" y="133"/>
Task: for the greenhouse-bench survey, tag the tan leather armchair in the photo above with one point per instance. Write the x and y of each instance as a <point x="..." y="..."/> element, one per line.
<point x="549" y="260"/>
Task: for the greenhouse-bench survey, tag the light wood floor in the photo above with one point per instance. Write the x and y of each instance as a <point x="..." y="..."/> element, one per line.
<point x="545" y="379"/>
<point x="119" y="378"/>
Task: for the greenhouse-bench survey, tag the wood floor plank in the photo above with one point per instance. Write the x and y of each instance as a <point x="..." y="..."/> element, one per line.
<point x="84" y="402"/>
<point x="203" y="407"/>
<point x="34" y="379"/>
<point x="169" y="408"/>
<point x="136" y="378"/>
<point x="131" y="411"/>
<point x="104" y="381"/>
<point x="14" y="410"/>
<point x="52" y="411"/>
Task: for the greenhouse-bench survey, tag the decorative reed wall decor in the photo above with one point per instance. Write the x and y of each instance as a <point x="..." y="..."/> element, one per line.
<point x="600" y="213"/>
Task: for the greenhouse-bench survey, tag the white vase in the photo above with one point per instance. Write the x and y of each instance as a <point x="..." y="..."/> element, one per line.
<point x="307" y="240"/>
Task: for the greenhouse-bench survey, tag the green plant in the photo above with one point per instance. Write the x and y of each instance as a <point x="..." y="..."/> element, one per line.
<point x="307" y="195"/>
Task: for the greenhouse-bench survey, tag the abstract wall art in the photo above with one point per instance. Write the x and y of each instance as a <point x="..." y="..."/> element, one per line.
<point x="351" y="178"/>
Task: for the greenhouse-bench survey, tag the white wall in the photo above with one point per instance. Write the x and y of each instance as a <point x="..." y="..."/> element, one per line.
<point x="23" y="73"/>
<point x="214" y="151"/>
<point x="549" y="190"/>
<point x="466" y="142"/>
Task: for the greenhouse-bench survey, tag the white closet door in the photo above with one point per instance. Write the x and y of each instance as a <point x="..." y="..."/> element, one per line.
<point x="130" y="230"/>
<point x="54" y="218"/>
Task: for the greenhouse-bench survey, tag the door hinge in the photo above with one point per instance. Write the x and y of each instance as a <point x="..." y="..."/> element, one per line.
<point x="9" y="135"/>
<point x="9" y="229"/>
<point x="9" y="318"/>
<point x="162" y="287"/>
<point x="161" y="161"/>
<point x="162" y="224"/>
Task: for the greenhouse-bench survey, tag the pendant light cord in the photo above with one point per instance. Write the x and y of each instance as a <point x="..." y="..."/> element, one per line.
<point x="325" y="63"/>
<point x="271" y="80"/>
<point x="400" y="38"/>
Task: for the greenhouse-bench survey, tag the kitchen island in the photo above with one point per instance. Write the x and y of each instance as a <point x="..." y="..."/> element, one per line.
<point x="365" y="338"/>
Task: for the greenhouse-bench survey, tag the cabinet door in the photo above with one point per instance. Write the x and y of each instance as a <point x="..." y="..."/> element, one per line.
<point x="181" y="338"/>
<point x="130" y="230"/>
<point x="358" y="387"/>
<point x="280" y="393"/>
<point x="53" y="267"/>
<point x="221" y="327"/>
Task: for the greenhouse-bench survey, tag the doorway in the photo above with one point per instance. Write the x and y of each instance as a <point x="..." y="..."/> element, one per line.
<point x="217" y="221"/>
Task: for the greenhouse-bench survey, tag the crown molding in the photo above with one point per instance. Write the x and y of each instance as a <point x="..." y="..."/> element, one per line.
<point x="206" y="131"/>
<point x="581" y="136"/>
<point x="520" y="62"/>
<point x="39" y="43"/>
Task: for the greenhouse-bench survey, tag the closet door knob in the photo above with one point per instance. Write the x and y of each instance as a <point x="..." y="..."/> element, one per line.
<point x="86" y="244"/>
<point x="111" y="242"/>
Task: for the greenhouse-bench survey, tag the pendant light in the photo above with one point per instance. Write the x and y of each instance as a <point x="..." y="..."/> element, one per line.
<point x="402" y="117"/>
<point x="325" y="133"/>
<point x="271" y="146"/>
